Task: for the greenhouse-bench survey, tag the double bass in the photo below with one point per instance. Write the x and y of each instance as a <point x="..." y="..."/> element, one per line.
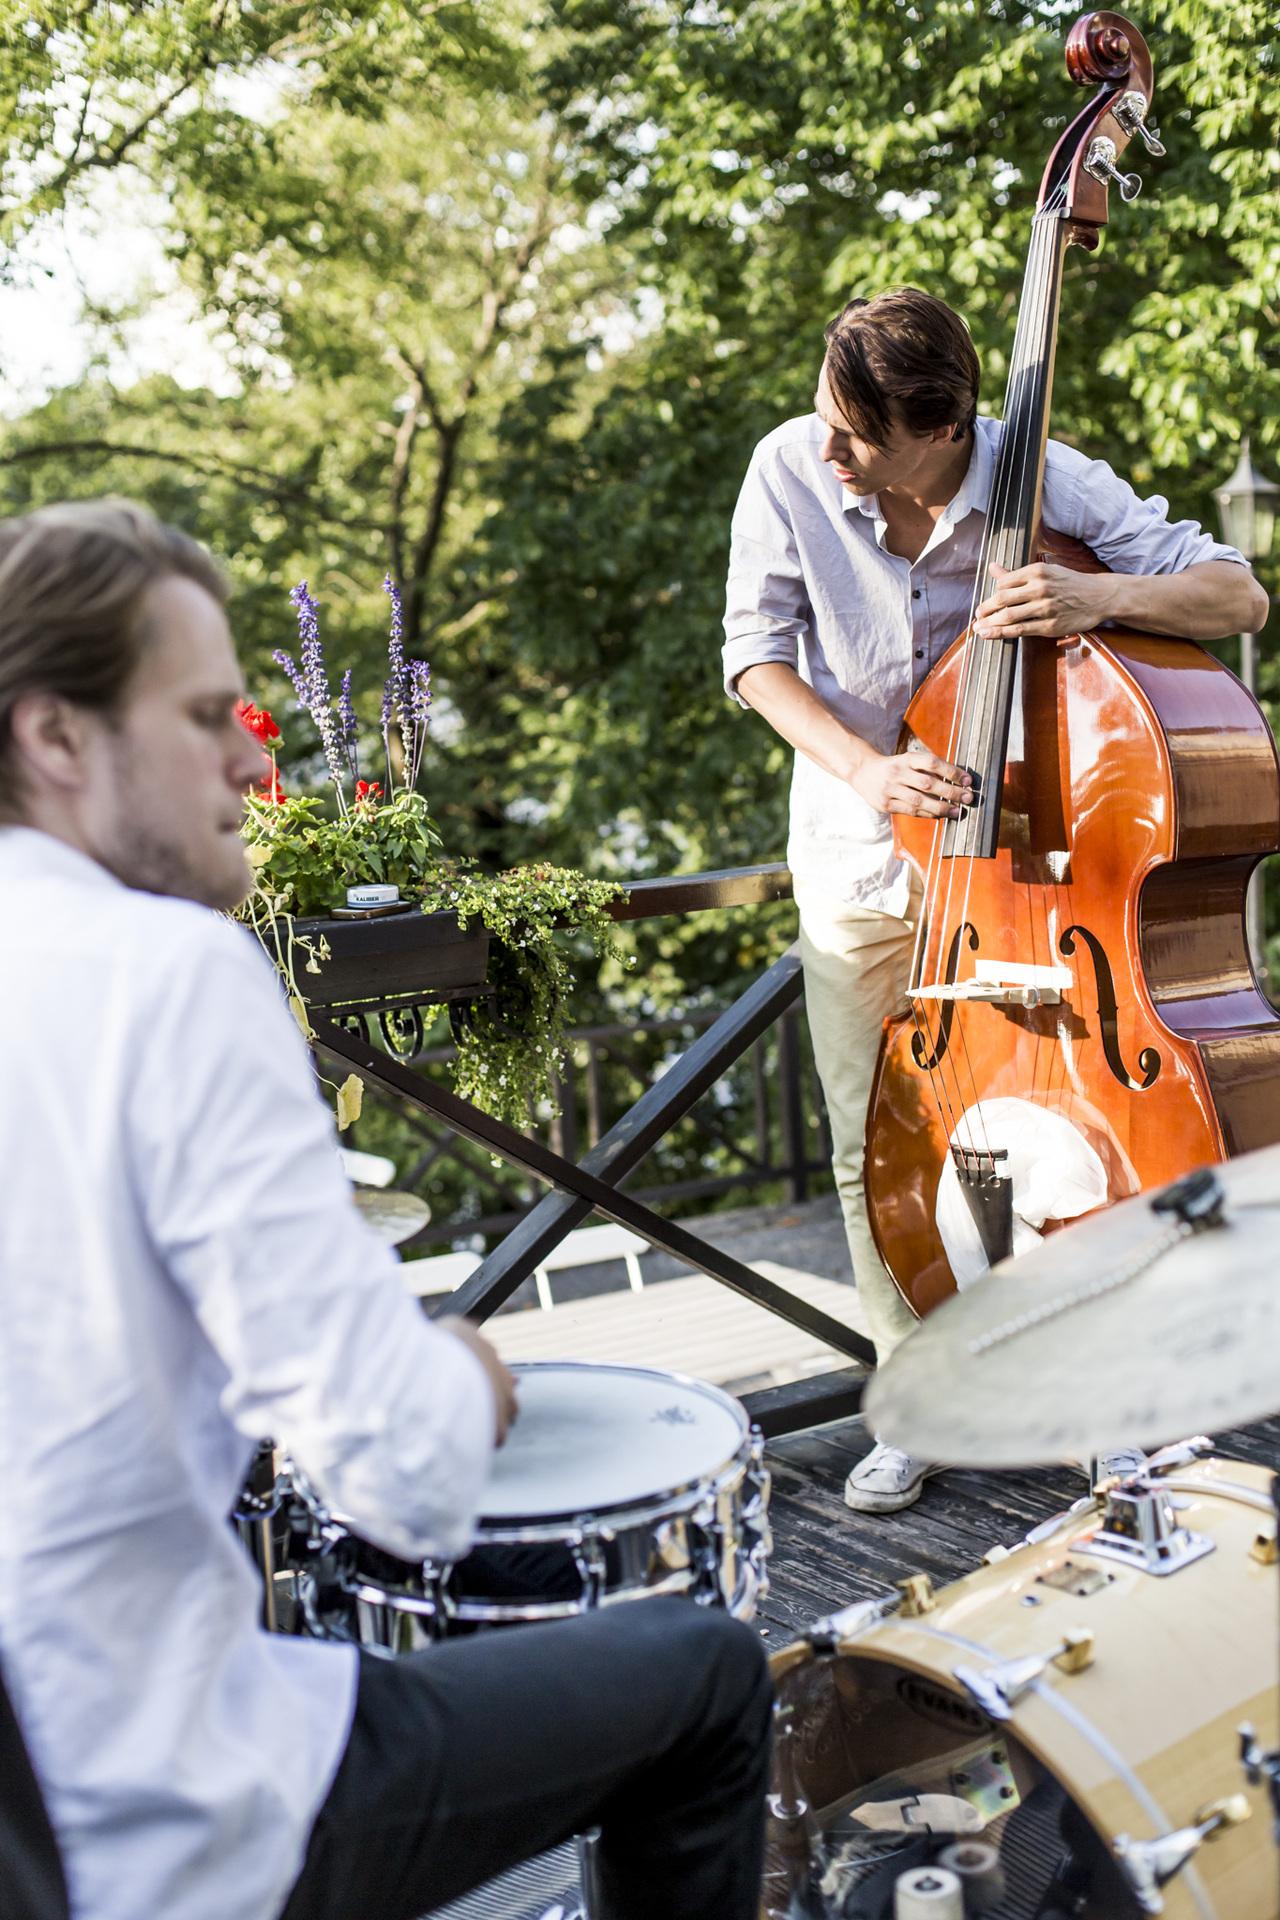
<point x="1082" y="1018"/>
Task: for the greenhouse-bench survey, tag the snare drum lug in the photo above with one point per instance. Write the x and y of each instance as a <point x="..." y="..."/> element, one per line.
<point x="1264" y="1549"/>
<point x="588" y="1558"/>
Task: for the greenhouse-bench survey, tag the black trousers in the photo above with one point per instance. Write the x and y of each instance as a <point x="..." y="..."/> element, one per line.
<point x="648" y="1720"/>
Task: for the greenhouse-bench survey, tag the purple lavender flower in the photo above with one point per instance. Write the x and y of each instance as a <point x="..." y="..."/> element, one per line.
<point x="288" y="667"/>
<point x="399" y="677"/>
<point x="419" y="674"/>
<point x="347" y="722"/>
<point x="314" y="680"/>
<point x="419" y="690"/>
<point x="388" y="692"/>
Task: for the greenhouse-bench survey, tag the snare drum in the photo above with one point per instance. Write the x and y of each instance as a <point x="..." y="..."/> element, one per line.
<point x="1088" y="1758"/>
<point x="615" y="1483"/>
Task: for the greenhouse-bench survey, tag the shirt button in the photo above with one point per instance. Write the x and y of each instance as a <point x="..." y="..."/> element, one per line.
<point x="915" y="593"/>
<point x="919" y="653"/>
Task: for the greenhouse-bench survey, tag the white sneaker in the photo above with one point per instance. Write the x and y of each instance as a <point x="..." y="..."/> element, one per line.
<point x="887" y="1480"/>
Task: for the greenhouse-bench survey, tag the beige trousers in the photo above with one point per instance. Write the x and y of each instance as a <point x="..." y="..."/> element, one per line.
<point x="856" y="964"/>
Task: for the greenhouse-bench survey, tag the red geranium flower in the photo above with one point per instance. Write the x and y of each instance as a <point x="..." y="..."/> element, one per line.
<point x="258" y="722"/>
<point x="270" y="788"/>
<point x="369" y="790"/>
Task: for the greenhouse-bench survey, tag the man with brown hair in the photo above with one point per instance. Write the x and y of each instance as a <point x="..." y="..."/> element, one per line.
<point x="854" y="555"/>
<point x="181" y="1272"/>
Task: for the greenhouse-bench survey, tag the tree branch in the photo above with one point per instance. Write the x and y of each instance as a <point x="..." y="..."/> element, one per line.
<point x="402" y="461"/>
<point x="252" y="479"/>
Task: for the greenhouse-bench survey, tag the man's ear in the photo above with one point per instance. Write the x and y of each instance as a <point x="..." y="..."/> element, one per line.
<point x="51" y="738"/>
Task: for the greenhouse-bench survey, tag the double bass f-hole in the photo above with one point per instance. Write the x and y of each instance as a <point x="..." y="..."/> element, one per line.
<point x="1149" y="1062"/>
<point x="927" y="1060"/>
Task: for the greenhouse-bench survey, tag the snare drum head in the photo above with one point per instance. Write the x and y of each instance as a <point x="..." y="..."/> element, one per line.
<point x="590" y="1439"/>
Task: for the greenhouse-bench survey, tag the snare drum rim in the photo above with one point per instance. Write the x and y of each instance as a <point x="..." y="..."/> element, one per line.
<point x="641" y="1504"/>
<point x="604" y="1521"/>
<point x="532" y="1529"/>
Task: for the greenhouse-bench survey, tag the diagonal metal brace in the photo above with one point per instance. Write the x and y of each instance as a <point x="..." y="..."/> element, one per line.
<point x="634" y="1136"/>
<point x="391" y="1077"/>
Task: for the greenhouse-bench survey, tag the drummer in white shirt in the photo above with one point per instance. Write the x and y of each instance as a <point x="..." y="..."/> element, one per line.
<point x="182" y="1271"/>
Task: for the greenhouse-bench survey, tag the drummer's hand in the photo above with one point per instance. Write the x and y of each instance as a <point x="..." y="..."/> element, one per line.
<point x="1045" y="601"/>
<point x="501" y="1378"/>
<point x="913" y="783"/>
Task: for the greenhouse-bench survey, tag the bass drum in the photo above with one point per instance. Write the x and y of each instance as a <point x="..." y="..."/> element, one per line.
<point x="900" y="1736"/>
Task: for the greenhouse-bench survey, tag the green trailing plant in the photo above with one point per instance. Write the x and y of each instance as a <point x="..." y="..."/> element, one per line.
<point x="305" y="852"/>
<point x="511" y="1043"/>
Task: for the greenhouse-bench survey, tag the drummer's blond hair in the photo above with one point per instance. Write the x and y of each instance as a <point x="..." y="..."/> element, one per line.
<point x="72" y="580"/>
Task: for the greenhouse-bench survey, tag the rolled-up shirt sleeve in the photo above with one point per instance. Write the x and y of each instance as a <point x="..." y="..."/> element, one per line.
<point x="244" y="1196"/>
<point x="766" y="603"/>
<point x="1085" y="498"/>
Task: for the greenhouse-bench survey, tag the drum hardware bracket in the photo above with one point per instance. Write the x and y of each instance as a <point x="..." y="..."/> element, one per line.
<point x="1150" y="1864"/>
<point x="1079" y="1582"/>
<point x="1139" y="1530"/>
<point x="1259" y="1767"/>
<point x="998" y="1688"/>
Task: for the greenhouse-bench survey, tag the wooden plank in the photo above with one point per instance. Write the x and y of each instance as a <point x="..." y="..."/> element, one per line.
<point x="691" y="1325"/>
<point x="807" y="1402"/>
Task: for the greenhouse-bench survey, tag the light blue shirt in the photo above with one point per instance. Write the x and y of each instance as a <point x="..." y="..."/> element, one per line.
<point x="182" y="1270"/>
<point x="812" y="584"/>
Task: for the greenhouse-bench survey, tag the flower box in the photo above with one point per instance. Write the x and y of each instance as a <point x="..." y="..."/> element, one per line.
<point x="424" y="954"/>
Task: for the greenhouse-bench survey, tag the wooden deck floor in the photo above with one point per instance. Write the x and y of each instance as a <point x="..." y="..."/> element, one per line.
<point x="824" y="1555"/>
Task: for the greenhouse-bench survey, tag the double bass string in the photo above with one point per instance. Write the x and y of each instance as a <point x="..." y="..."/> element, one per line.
<point x="981" y="664"/>
<point x="1011" y="510"/>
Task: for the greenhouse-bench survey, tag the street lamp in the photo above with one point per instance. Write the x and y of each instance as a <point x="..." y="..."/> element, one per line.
<point x="1247" y="509"/>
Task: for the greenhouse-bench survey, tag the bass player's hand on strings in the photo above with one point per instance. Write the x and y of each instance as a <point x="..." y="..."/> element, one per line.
<point x="1043" y="601"/>
<point x="917" y="782"/>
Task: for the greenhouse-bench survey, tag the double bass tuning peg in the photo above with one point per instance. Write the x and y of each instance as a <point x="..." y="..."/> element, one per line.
<point x="1100" y="161"/>
<point x="1131" y="114"/>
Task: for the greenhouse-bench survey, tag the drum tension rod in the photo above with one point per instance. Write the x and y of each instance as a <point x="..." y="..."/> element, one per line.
<point x="998" y="1688"/>
<point x="1150" y="1864"/>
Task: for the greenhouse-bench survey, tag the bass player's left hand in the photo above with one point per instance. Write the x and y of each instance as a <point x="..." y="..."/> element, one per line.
<point x="1045" y="601"/>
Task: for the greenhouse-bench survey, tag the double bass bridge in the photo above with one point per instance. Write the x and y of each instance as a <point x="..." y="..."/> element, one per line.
<point x="1003" y="983"/>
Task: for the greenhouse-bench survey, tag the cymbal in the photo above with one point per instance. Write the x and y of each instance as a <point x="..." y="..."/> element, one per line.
<point x="1127" y="1329"/>
<point x="393" y="1216"/>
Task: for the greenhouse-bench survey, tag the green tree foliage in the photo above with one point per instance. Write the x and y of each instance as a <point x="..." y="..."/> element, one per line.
<point x="418" y="232"/>
<point x="763" y="163"/>
<point x="95" y="86"/>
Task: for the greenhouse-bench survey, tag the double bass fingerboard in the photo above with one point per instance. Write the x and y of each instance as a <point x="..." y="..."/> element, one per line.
<point x="990" y="667"/>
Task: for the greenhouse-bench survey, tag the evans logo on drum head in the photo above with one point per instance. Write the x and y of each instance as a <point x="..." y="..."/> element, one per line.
<point x="944" y="1709"/>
